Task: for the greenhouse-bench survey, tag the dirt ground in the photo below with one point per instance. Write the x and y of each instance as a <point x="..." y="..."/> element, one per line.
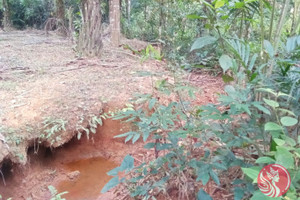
<point x="42" y="77"/>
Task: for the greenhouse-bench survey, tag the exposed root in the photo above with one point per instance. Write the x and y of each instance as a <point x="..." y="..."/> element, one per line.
<point x="3" y="178"/>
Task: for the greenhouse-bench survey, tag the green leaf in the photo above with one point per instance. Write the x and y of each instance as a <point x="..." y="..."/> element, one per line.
<point x="152" y="103"/>
<point x="202" y="195"/>
<point x="252" y="62"/>
<point x="111" y="184"/>
<point x="288" y="121"/>
<point x="239" y="4"/>
<point x="227" y="79"/>
<point x="271" y="126"/>
<point x="251" y="173"/>
<point x="129" y="137"/>
<point x="225" y="62"/>
<point x="298" y="139"/>
<point x="271" y="103"/>
<point x="289" y="141"/>
<point x="261" y="108"/>
<point x="214" y="177"/>
<point x="135" y="138"/>
<point x="258" y="195"/>
<point x="220" y="3"/>
<point x="204" y="177"/>
<point x="265" y="160"/>
<point x="128" y="163"/>
<point x="270" y="50"/>
<point x="268" y="90"/>
<point x="193" y="16"/>
<point x="287" y="111"/>
<point x="149" y="145"/>
<point x="125" y="134"/>
<point x="238" y="193"/>
<point x="114" y="172"/>
<point x="279" y="142"/>
<point x="291" y="44"/>
<point x="284" y="157"/>
<point x="202" y="42"/>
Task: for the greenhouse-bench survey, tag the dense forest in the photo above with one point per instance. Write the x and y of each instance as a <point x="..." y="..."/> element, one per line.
<point x="209" y="150"/>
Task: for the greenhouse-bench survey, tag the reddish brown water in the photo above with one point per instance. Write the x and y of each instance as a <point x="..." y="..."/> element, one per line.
<point x="91" y="180"/>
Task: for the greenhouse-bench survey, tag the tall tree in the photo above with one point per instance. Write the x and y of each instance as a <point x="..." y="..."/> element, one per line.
<point x="90" y="42"/>
<point x="114" y="20"/>
<point x="6" y="15"/>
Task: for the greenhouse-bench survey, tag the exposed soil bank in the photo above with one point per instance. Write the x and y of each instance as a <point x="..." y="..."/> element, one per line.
<point x="41" y="77"/>
<point x="78" y="167"/>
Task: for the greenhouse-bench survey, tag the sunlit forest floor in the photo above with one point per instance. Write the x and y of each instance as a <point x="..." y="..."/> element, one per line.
<point x="43" y="80"/>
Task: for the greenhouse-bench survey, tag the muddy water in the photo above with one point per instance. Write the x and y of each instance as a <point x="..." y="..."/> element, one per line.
<point x="91" y="180"/>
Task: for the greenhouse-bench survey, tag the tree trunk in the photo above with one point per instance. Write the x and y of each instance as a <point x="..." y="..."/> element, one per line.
<point x="114" y="20"/>
<point x="90" y="42"/>
<point x="6" y="17"/>
<point x="128" y="9"/>
<point x="60" y="15"/>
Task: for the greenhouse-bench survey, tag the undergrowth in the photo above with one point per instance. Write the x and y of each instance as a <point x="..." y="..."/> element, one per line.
<point x="198" y="151"/>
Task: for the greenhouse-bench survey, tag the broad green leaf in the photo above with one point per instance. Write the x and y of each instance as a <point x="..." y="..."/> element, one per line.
<point x="111" y="184"/>
<point x="289" y="141"/>
<point x="225" y="62"/>
<point x="271" y="126"/>
<point x="265" y="160"/>
<point x="114" y="172"/>
<point x="271" y="103"/>
<point x="219" y="3"/>
<point x="288" y="121"/>
<point x="251" y="173"/>
<point x="202" y="195"/>
<point x="279" y="142"/>
<point x="284" y="157"/>
<point x="270" y="50"/>
<point x="128" y="163"/>
<point x="202" y="42"/>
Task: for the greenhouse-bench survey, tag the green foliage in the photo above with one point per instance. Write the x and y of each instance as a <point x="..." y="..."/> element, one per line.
<point x="91" y="127"/>
<point x="177" y="132"/>
<point x="55" y="195"/>
<point x="32" y="13"/>
<point x="148" y="52"/>
<point x="52" y="127"/>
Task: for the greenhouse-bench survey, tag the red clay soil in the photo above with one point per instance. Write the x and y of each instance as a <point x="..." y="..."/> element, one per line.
<point x="41" y="76"/>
